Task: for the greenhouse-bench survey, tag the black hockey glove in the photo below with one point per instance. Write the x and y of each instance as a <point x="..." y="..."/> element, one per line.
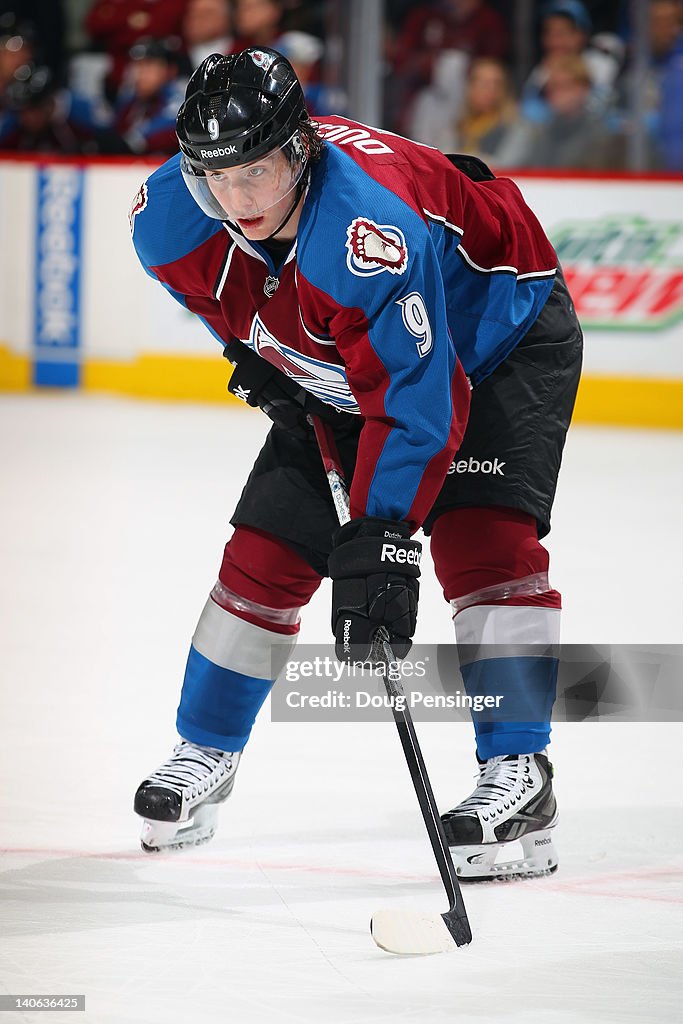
<point x="374" y="567"/>
<point x="260" y="384"/>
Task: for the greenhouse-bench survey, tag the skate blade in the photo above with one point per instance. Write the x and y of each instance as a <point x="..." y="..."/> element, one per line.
<point x="161" y="836"/>
<point x="492" y="862"/>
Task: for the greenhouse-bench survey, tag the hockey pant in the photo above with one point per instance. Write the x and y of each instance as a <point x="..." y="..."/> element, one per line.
<point x="494" y="573"/>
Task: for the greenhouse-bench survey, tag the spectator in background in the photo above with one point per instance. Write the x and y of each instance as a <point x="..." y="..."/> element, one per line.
<point x="116" y="25"/>
<point x="257" y="22"/>
<point x="660" y="93"/>
<point x="304" y="52"/>
<point x="472" y="26"/>
<point x="575" y="135"/>
<point x="310" y="16"/>
<point x="48" y="119"/>
<point x="46" y="18"/>
<point x="666" y="42"/>
<point x="16" y="51"/>
<point x="150" y="97"/>
<point x="490" y="126"/>
<point x="666" y="25"/>
<point x="486" y="121"/>
<point x="207" y="29"/>
<point x="432" y="32"/>
<point x="16" y="48"/>
<point x="432" y="115"/>
<point x="565" y="32"/>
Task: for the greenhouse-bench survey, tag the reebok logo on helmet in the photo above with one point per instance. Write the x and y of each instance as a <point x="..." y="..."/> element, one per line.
<point x="210" y="154"/>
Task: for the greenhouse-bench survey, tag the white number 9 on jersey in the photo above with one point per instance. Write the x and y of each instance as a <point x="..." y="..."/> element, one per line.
<point x="416" y="320"/>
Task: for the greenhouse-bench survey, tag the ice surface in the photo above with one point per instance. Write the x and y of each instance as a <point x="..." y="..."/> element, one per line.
<point x="112" y="522"/>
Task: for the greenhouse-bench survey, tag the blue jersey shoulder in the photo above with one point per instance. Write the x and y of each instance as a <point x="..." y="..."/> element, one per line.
<point x="167" y="223"/>
<point x="354" y="228"/>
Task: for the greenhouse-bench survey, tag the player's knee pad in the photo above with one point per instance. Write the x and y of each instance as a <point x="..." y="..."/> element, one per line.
<point x="494" y="572"/>
<point x="264" y="581"/>
<point x="490" y="555"/>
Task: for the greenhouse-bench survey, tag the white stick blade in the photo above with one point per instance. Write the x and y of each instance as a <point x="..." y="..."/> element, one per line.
<point x="411" y="932"/>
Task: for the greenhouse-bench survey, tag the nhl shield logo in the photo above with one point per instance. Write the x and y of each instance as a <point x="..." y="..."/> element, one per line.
<point x="270" y="286"/>
<point x="373" y="248"/>
<point x="212" y="125"/>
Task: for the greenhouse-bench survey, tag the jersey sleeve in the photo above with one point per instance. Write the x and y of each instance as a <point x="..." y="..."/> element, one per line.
<point x="185" y="262"/>
<point x="388" y="320"/>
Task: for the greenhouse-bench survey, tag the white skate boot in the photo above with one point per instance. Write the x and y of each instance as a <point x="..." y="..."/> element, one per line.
<point x="503" y="830"/>
<point x="179" y="801"/>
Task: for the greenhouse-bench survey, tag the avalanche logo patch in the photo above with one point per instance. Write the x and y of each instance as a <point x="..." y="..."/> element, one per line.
<point x="373" y="248"/>
<point x="138" y="205"/>
<point x="261" y="60"/>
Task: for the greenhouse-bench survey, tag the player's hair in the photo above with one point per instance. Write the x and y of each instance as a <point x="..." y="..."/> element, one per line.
<point x="308" y="129"/>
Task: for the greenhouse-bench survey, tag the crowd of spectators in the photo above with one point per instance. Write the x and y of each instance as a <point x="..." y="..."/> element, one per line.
<point x="571" y="110"/>
<point x="119" y="92"/>
<point x="107" y="76"/>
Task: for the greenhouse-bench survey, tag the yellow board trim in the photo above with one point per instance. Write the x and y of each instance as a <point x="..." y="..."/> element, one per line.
<point x="618" y="401"/>
<point x="186" y="378"/>
<point x="630" y="402"/>
<point x="15" y="371"/>
<point x="189" y="378"/>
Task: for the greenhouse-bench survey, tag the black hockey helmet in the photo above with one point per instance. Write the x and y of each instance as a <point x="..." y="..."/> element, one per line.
<point x="238" y="108"/>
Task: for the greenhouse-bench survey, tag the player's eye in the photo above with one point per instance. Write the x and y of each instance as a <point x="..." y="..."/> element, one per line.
<point x="256" y="172"/>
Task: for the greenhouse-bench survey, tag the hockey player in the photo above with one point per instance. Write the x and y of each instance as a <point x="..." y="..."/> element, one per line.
<point x="414" y="301"/>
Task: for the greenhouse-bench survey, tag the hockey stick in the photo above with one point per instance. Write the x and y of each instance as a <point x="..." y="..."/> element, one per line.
<point x="400" y="931"/>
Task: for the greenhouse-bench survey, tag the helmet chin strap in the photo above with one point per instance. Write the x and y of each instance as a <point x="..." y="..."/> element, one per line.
<point x="301" y="184"/>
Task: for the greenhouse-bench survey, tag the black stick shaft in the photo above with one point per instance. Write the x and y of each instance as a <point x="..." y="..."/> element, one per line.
<point x="456" y="919"/>
<point x="418" y="773"/>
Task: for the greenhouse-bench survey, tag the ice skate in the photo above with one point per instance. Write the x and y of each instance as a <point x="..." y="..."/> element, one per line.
<point x="504" y="829"/>
<point x="179" y="801"/>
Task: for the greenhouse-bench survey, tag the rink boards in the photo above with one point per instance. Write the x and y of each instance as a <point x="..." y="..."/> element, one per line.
<point x="77" y="310"/>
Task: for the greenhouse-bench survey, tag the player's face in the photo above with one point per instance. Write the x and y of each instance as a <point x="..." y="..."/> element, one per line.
<point x="256" y="196"/>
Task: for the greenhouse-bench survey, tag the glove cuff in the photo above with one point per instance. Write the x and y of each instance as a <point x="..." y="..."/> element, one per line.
<point x="369" y="546"/>
<point x="372" y="526"/>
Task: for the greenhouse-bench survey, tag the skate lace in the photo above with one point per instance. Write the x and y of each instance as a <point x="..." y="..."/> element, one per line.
<point x="191" y="770"/>
<point x="501" y="784"/>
